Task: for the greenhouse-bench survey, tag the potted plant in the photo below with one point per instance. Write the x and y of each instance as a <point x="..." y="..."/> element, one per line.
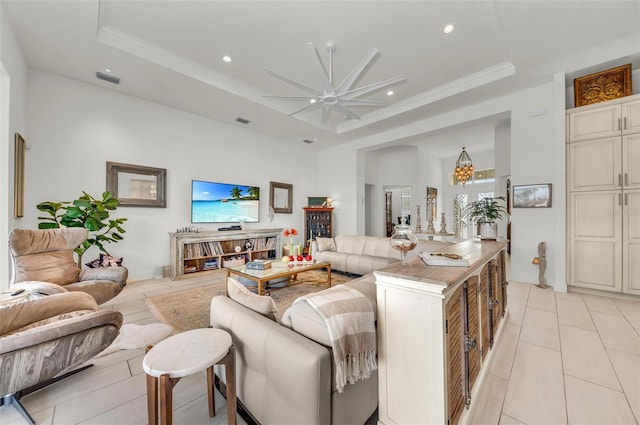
<point x="485" y="212"/>
<point x="88" y="212"/>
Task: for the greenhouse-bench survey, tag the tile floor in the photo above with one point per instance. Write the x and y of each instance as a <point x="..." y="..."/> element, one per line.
<point x="562" y="359"/>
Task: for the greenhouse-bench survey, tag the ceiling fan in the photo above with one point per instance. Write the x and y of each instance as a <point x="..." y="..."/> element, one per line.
<point x="336" y="97"/>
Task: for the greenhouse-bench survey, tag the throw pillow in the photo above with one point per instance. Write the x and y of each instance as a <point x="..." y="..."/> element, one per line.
<point x="258" y="303"/>
<point x="326" y="244"/>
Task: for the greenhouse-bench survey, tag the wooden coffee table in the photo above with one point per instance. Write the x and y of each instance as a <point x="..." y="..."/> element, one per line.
<point x="278" y="270"/>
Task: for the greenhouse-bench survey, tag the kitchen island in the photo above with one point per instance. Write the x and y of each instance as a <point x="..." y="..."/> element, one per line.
<point x="436" y="328"/>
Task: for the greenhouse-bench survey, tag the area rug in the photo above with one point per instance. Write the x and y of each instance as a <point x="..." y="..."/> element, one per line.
<point x="190" y="309"/>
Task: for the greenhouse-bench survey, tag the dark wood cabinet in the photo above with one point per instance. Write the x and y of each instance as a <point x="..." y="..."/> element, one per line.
<point x="317" y="223"/>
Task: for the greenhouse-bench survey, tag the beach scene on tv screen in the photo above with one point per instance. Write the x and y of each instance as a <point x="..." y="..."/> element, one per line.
<point x="224" y="203"/>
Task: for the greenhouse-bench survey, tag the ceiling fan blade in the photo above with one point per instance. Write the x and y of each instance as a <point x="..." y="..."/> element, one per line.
<point x="306" y="108"/>
<point x="352" y="94"/>
<point x="326" y="111"/>
<point x="363" y="102"/>
<point x="345" y="111"/>
<point x="304" y="98"/>
<point x="355" y="73"/>
<point x="328" y="87"/>
<point x="295" y="83"/>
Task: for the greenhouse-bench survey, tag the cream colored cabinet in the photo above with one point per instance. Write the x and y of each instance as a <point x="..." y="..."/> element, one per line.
<point x="631" y="242"/>
<point x="603" y="184"/>
<point x="596" y="240"/>
<point x="631" y="161"/>
<point x="595" y="164"/>
<point x="605" y="164"/>
<point x="595" y="121"/>
<point x="433" y="371"/>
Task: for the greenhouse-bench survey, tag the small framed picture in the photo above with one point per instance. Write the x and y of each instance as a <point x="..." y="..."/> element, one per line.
<point x="532" y="196"/>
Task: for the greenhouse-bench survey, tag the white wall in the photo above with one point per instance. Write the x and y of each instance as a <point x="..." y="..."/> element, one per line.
<point x="74" y="128"/>
<point x="12" y="119"/>
<point x="533" y="140"/>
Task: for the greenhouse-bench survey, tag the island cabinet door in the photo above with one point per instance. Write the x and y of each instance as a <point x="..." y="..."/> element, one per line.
<point x="455" y="357"/>
<point x="485" y="312"/>
<point x="502" y="280"/>
<point x="463" y="349"/>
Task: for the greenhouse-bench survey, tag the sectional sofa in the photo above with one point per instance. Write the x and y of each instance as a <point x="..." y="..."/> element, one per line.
<point x="285" y="371"/>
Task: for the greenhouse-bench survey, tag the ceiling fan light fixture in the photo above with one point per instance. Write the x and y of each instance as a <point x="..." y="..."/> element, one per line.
<point x="336" y="97"/>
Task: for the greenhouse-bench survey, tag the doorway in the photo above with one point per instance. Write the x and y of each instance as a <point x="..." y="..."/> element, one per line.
<point x="397" y="203"/>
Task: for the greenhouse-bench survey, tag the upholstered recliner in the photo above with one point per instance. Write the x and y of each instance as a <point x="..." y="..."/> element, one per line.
<point x="47" y="255"/>
<point x="43" y="337"/>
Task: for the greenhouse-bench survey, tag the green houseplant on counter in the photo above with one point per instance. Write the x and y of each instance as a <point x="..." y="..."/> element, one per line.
<point x="485" y="213"/>
<point x="88" y="212"/>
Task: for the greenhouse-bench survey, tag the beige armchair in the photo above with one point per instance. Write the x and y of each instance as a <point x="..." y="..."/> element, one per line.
<point x="47" y="255"/>
<point x="43" y="337"/>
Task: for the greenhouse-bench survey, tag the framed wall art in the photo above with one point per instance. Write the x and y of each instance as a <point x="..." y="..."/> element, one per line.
<point x="532" y="196"/>
<point x="281" y="197"/>
<point x="601" y="86"/>
<point x="18" y="177"/>
<point x="137" y="185"/>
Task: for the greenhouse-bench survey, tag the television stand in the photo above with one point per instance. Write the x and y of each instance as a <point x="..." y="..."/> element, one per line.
<point x="198" y="254"/>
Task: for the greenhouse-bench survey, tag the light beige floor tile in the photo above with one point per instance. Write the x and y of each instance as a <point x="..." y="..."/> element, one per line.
<point x="116" y="357"/>
<point x="535" y="393"/>
<point x="601" y="304"/>
<point x="590" y="404"/>
<point x="584" y="357"/>
<point x="135" y="365"/>
<point x="133" y="412"/>
<point x="569" y="296"/>
<point x="95" y="403"/>
<point x="489" y="402"/>
<point x="576" y="314"/>
<point x="138" y="316"/>
<point x="504" y="351"/>
<point x="10" y="416"/>
<point x="630" y="310"/>
<point x="540" y="327"/>
<point x="543" y="299"/>
<point x="627" y="367"/>
<point x="616" y="333"/>
<point x="145" y="321"/>
<point x="518" y="289"/>
<point x="517" y="307"/>
<point x="507" y="420"/>
<point x="75" y="386"/>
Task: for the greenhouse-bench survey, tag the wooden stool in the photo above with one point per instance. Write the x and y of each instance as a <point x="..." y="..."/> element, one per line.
<point x="185" y="354"/>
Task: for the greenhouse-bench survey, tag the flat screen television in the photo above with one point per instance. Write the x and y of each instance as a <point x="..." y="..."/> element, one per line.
<point x="213" y="202"/>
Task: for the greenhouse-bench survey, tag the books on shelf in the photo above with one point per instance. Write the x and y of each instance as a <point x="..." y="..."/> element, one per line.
<point x="443" y="259"/>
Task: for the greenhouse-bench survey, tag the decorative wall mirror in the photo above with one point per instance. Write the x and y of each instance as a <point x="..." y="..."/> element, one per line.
<point x="136" y="185"/>
<point x="280" y="197"/>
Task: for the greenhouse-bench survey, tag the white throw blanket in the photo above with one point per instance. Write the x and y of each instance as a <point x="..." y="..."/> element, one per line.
<point x="351" y="324"/>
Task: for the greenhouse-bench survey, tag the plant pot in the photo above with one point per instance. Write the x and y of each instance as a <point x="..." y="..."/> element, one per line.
<point x="488" y="231"/>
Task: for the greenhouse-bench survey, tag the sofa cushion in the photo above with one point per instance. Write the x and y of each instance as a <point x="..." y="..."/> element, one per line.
<point x="305" y="320"/>
<point x="326" y="244"/>
<point x="258" y="303"/>
<point x="350" y="244"/>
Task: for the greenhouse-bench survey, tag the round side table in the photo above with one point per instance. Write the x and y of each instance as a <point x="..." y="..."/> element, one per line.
<point x="184" y="354"/>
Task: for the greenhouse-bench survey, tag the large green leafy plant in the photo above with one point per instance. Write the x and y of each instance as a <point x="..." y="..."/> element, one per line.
<point x="87" y="212"/>
<point x="486" y="210"/>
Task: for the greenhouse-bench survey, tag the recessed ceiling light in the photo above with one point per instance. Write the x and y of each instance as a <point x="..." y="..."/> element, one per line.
<point x="448" y="29"/>
<point x="107" y="70"/>
<point x="390" y="93"/>
<point x="226" y="59"/>
<point x="313" y="101"/>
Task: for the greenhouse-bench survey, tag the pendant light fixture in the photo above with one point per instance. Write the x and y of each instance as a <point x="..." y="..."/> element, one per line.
<point x="464" y="167"/>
